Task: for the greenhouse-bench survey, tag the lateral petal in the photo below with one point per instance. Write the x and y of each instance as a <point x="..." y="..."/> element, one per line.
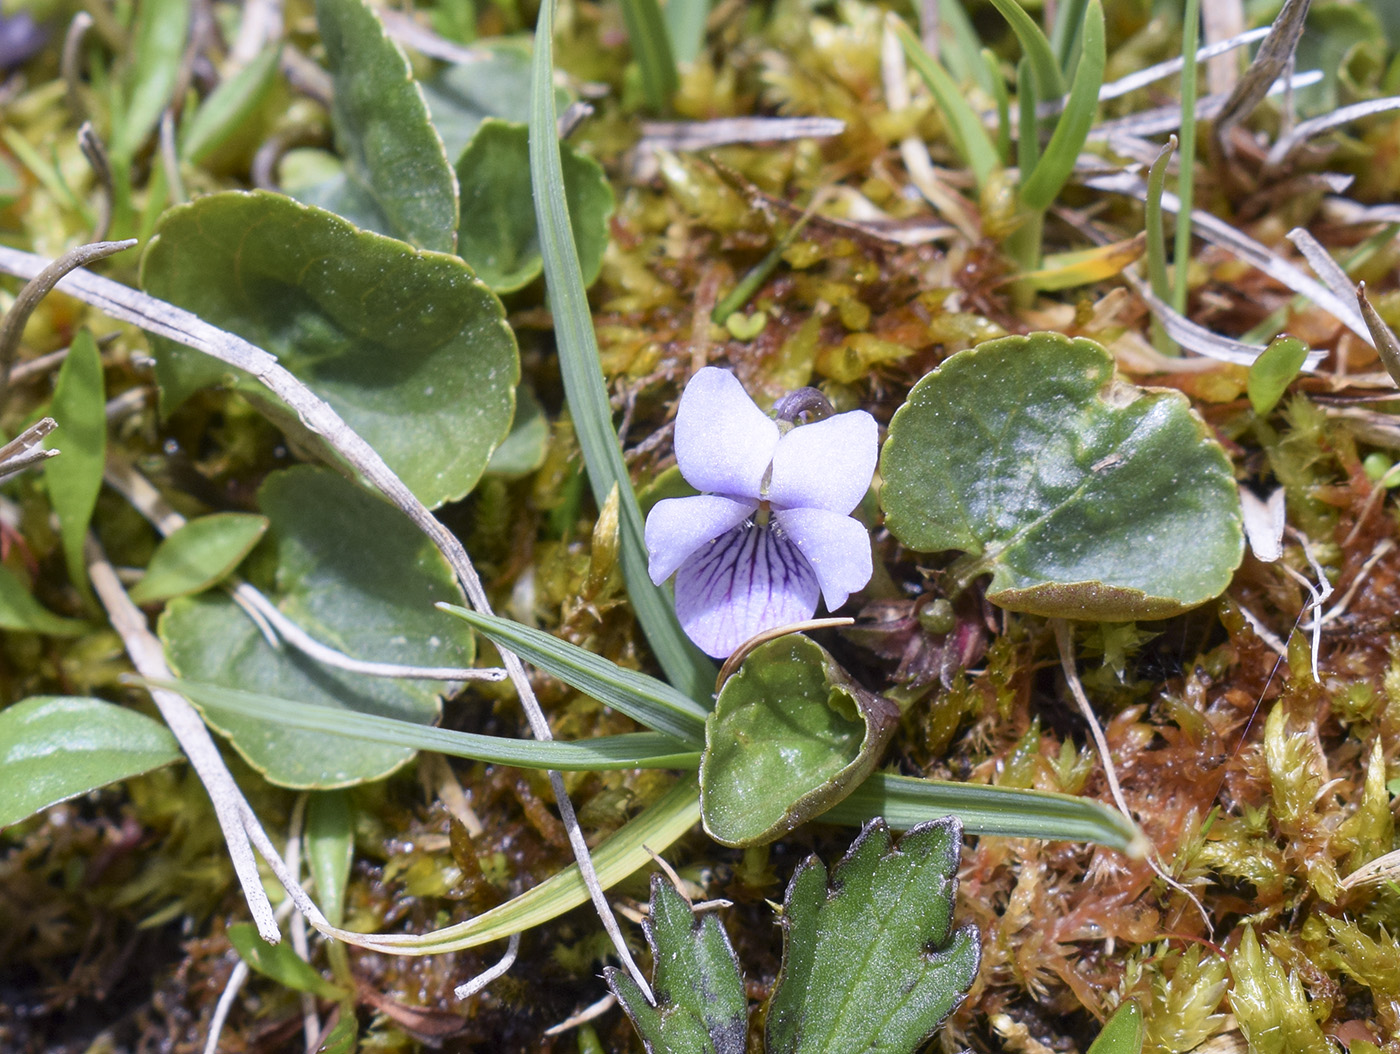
<point x="724" y="443"/>
<point x="837" y="547"/>
<point x="749" y="580"/>
<point x="676" y="527"/>
<point x="827" y="464"/>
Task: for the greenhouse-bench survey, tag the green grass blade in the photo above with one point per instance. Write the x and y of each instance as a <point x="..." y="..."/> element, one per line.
<point x="1049" y="80"/>
<point x="622" y="854"/>
<point x="685" y="666"/>
<point x="644" y="699"/>
<point x="1003" y="99"/>
<point x="965" y="130"/>
<point x="639" y="750"/>
<point x="1157" y="242"/>
<point x="1003" y="811"/>
<point x="651" y="47"/>
<point x="685" y="28"/>
<point x="1038" y="189"/>
<point x="1186" y="182"/>
<point x="1069" y="16"/>
<point x="966" y="44"/>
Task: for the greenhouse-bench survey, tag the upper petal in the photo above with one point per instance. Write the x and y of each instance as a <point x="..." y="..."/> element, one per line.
<point x="724" y="443"/>
<point x="826" y="465"/>
<point x="747" y="581"/>
<point x="837" y="547"/>
<point x="676" y="527"/>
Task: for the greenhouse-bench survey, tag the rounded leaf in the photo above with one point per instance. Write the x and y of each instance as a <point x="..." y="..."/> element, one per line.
<point x="356" y="575"/>
<point x="789" y="737"/>
<point x="1083" y="496"/>
<point x="409" y="347"/>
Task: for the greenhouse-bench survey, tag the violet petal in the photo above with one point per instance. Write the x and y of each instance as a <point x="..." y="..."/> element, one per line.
<point x="837" y="547"/>
<point x="724" y="443"/>
<point x="749" y="580"/>
<point x="676" y="527"/>
<point x="826" y="465"/>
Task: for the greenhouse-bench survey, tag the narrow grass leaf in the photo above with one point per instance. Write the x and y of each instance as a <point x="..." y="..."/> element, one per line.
<point x="685" y="666"/>
<point x="905" y="802"/>
<point x="151" y="74"/>
<point x="1387" y="346"/>
<point x="1065" y="34"/>
<point x="965" y="129"/>
<point x="1049" y="79"/>
<point x="651" y="47"/>
<point x="634" y="750"/>
<point x="1054" y="167"/>
<point x="966" y="43"/>
<point x="75" y="476"/>
<point x="1186" y="181"/>
<point x="644" y="699"/>
<point x="685" y="28"/>
<point x="652" y="831"/>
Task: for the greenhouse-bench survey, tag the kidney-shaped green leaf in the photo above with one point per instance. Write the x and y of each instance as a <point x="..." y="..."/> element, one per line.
<point x="495" y="83"/>
<point x="199" y="555"/>
<point x="1083" y="496"/>
<point x="789" y="737"/>
<point x="356" y="575"/>
<point x="870" y="960"/>
<point x="55" y="747"/>
<point x="497" y="234"/>
<point x="409" y="347"/>
<point x="397" y="172"/>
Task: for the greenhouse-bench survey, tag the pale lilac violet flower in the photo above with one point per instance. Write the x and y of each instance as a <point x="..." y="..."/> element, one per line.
<point x="772" y="530"/>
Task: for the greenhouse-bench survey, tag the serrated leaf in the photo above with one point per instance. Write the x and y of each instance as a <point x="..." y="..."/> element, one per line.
<point x="870" y="960"/>
<point x="497" y="235"/>
<point x="790" y="735"/>
<point x="647" y="700"/>
<point x="198" y="555"/>
<point x="701" y="1006"/>
<point x="410" y="348"/>
<point x="75" y="476"/>
<point x="55" y="747"/>
<point x="394" y="159"/>
<point x="280" y="962"/>
<point x="1084" y="497"/>
<point x="20" y="611"/>
<point x="356" y="575"/>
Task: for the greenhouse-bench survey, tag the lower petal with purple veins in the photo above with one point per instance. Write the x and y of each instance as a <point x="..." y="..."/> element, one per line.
<point x="749" y="580"/>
